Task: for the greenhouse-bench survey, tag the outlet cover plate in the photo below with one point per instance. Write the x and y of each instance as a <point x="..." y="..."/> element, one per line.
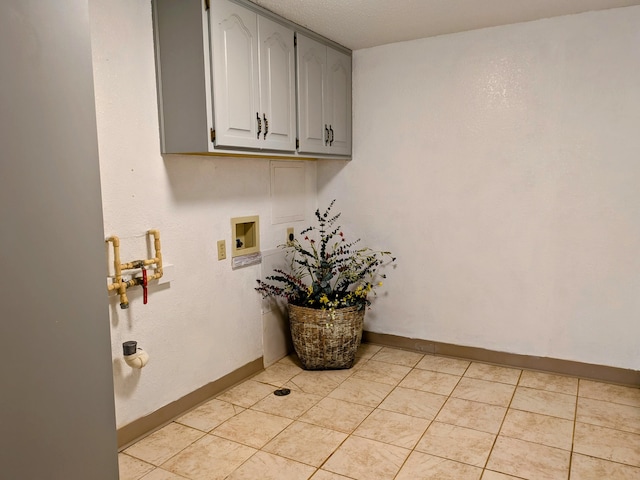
<point x="222" y="250"/>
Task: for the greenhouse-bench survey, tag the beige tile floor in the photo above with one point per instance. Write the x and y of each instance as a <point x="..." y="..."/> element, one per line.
<point x="400" y="415"/>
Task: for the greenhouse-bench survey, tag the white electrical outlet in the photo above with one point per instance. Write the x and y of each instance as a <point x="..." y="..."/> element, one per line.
<point x="222" y="250"/>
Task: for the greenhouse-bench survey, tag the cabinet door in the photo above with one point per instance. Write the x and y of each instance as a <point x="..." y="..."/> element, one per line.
<point x="234" y="35"/>
<point x="339" y="101"/>
<point x="312" y="124"/>
<point x="277" y="87"/>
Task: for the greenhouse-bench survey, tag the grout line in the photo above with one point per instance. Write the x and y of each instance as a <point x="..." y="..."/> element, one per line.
<point x="573" y="432"/>
<point x="486" y="462"/>
<point x="349" y="435"/>
<point x="413" y="449"/>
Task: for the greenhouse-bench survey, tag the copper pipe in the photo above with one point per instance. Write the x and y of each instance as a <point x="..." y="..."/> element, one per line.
<point x="118" y="283"/>
<point x="156" y="245"/>
<point x="136" y="264"/>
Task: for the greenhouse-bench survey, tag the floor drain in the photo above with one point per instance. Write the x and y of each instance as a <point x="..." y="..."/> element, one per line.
<point x="282" y="392"/>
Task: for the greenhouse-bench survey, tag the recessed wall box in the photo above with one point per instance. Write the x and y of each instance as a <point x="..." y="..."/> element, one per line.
<point x="245" y="232"/>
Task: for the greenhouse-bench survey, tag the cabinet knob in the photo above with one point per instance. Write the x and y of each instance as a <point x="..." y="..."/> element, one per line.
<point x="326" y="134"/>
<point x="266" y="125"/>
<point x="259" y="124"/>
<point x="331" y="130"/>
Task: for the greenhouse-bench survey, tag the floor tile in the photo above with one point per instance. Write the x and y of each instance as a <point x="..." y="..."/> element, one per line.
<point x="266" y="466"/>
<point x="358" y="363"/>
<point x="290" y="406"/>
<point x="330" y="376"/>
<point x="452" y="366"/>
<point x="483" y="391"/>
<point x="306" y="443"/>
<point x="421" y="466"/>
<point x="607" y="414"/>
<point x="491" y="475"/>
<point x="546" y="403"/>
<point x="210" y="458"/>
<point x="252" y="428"/>
<point x="493" y="373"/>
<point x="161" y="474"/>
<point x="528" y="460"/>
<point x="549" y="382"/>
<point x="414" y="403"/>
<point x="589" y="468"/>
<point x="607" y="444"/>
<point x="132" y="468"/>
<point x="457" y="443"/>
<point x="164" y="443"/>
<point x="363" y="392"/>
<point x="364" y="459"/>
<point x="324" y="475"/>
<point x="391" y="427"/>
<point x="367" y="350"/>
<point x="400" y="415"/>
<point x="382" y="372"/>
<point x="336" y="414"/>
<point x="247" y="393"/>
<point x="314" y="382"/>
<point x="536" y="428"/>
<point x="610" y="393"/>
<point x="277" y="374"/>
<point x="398" y="357"/>
<point x="429" y="381"/>
<point x="290" y="360"/>
<point x="209" y="415"/>
<point x="475" y="415"/>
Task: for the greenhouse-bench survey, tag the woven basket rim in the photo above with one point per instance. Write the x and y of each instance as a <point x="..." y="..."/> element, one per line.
<point x="341" y="309"/>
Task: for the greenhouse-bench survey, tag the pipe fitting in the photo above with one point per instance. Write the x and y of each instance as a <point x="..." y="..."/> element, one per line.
<point x="134" y="356"/>
<point x="118" y="283"/>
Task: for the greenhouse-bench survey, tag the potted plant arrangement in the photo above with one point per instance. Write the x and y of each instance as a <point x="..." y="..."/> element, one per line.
<point x="327" y="288"/>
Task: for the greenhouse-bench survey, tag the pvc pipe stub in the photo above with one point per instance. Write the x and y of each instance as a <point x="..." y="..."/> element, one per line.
<point x="130" y="347"/>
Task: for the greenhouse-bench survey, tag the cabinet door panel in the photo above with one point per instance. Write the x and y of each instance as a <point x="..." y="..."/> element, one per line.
<point x="339" y="101"/>
<point x="277" y="87"/>
<point x="312" y="63"/>
<point x="234" y="31"/>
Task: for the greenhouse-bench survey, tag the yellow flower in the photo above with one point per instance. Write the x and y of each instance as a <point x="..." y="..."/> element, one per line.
<point x="379" y="284"/>
<point x="324" y="299"/>
<point x="361" y="291"/>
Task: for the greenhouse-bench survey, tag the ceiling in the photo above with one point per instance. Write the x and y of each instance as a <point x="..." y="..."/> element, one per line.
<point x="359" y="24"/>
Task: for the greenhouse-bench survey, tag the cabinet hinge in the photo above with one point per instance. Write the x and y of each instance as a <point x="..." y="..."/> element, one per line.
<point x="206" y="4"/>
<point x="297" y="144"/>
<point x="213" y="135"/>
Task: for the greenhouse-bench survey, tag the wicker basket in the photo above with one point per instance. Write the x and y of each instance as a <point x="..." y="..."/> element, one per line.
<point x="326" y="340"/>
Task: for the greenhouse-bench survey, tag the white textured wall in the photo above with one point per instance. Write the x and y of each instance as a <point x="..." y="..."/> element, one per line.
<point x="502" y="167"/>
<point x="207" y="323"/>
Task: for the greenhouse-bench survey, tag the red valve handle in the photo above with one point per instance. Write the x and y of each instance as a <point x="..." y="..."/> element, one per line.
<point x="144" y="286"/>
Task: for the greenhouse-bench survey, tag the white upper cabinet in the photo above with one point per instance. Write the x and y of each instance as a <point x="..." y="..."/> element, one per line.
<point x="227" y="83"/>
<point x="324" y="98"/>
<point x="234" y="36"/>
<point x="277" y="85"/>
<point x="339" y="101"/>
<point x="253" y="79"/>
